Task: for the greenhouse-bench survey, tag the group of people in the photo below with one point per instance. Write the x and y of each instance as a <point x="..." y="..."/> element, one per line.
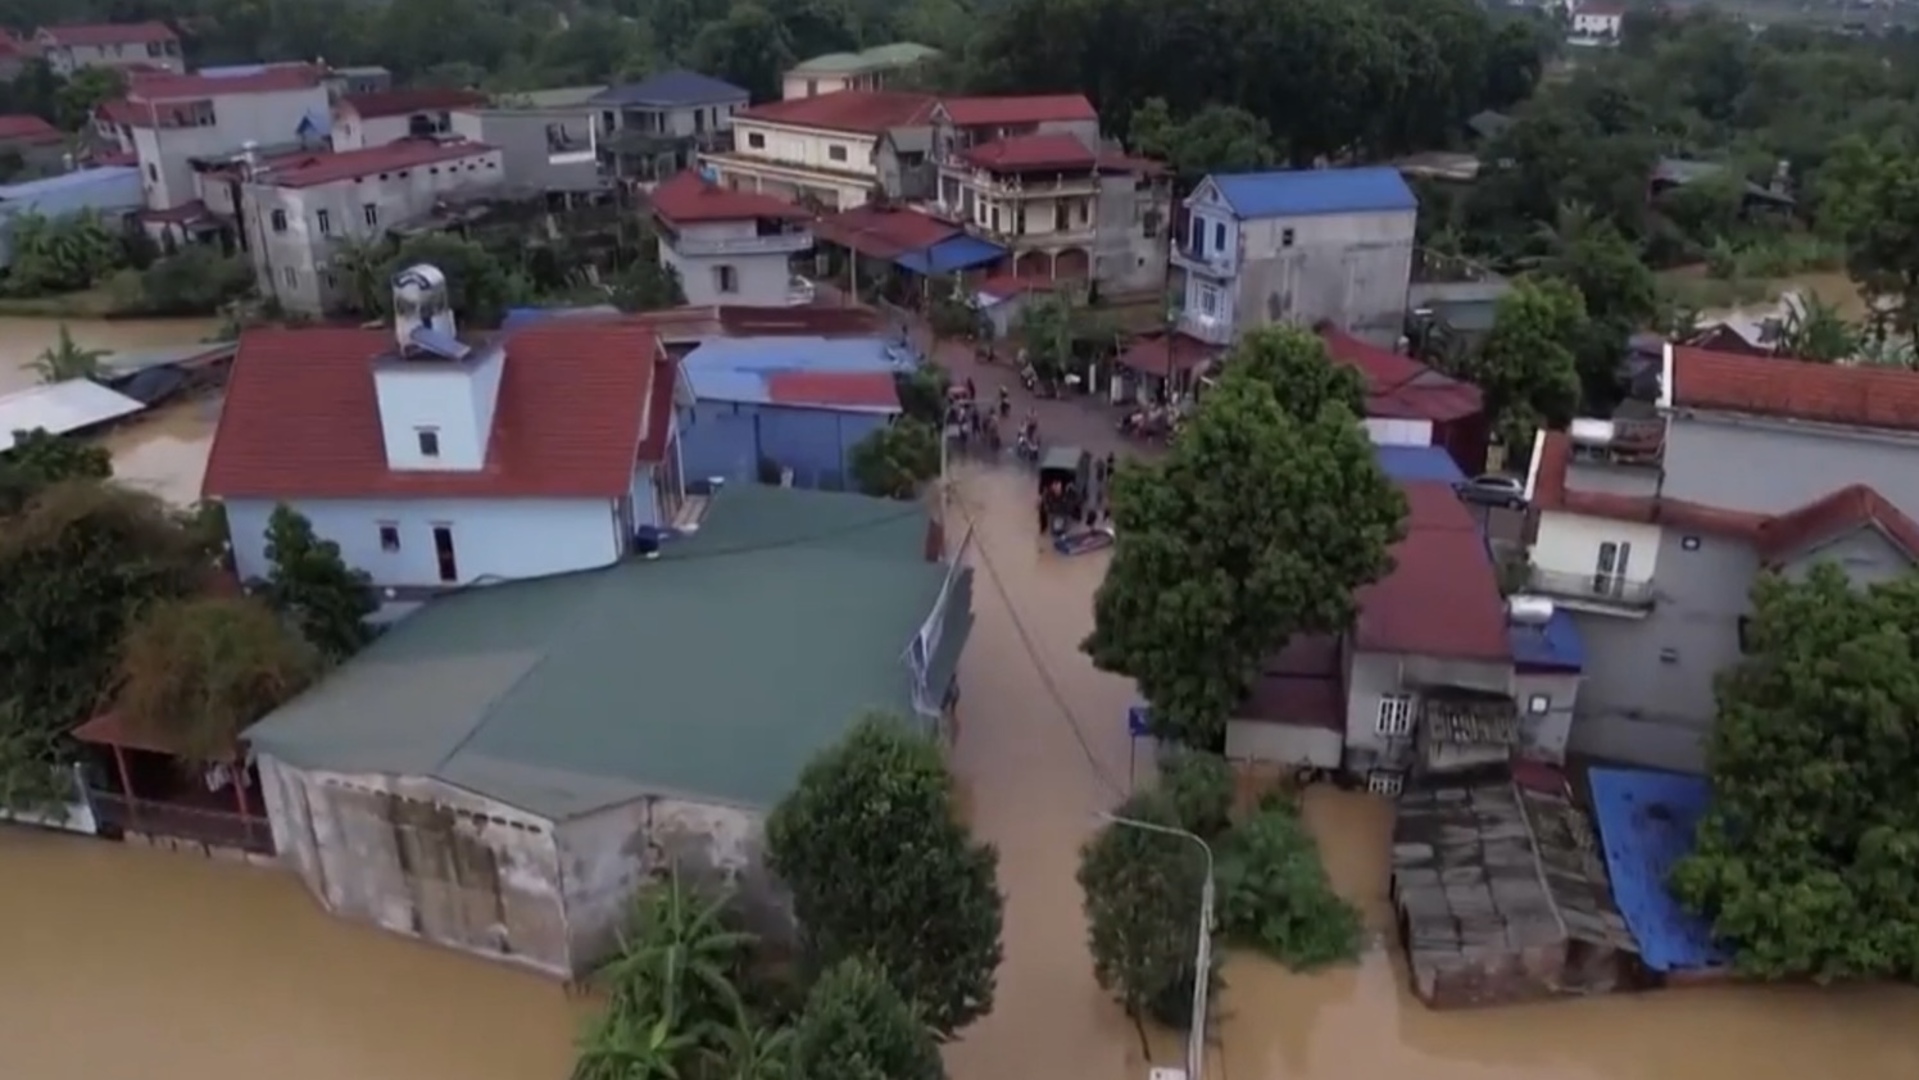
<point x="974" y="423"/>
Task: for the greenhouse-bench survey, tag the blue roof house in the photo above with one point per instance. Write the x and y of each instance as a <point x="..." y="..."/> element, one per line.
<point x="656" y="127"/>
<point x="112" y="192"/>
<point x="786" y="409"/>
<point x="1298" y="246"/>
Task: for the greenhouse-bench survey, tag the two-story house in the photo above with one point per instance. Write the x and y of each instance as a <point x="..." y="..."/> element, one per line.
<point x="1438" y="675"/>
<point x="1310" y="246"/>
<point x="728" y="247"/>
<point x="363" y="120"/>
<point x="150" y="46"/>
<point x="171" y="120"/>
<point x="876" y="68"/>
<point x="962" y="124"/>
<point x="297" y="209"/>
<point x="1653" y="527"/>
<point x="658" y="127"/>
<point x="1597" y="22"/>
<point x="435" y="462"/>
<point x="824" y="149"/>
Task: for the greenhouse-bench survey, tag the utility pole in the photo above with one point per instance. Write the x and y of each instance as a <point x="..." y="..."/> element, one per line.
<point x="1203" y="956"/>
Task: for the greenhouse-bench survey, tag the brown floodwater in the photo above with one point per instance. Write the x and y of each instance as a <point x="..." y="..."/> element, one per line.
<point x="122" y="961"/>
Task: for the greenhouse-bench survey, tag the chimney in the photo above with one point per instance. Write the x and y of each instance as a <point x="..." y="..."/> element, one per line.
<point x="420" y="305"/>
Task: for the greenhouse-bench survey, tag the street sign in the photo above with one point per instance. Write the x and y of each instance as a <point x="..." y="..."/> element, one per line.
<point x="1138" y="722"/>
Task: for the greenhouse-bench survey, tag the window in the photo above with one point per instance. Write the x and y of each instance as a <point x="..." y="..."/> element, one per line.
<point x="371" y="211"/>
<point x="325" y="221"/>
<point x="1609" y="571"/>
<point x="327" y="278"/>
<point x="1745" y="635"/>
<point x="726" y="279"/>
<point x="1219" y="236"/>
<point x="1389" y="784"/>
<point x="389" y="536"/>
<point x="1395" y="716"/>
<point x="812" y="87"/>
<point x="1538" y="705"/>
<point x="755" y="141"/>
<point x="1285" y="238"/>
<point x="279" y="219"/>
<point x="429" y="441"/>
<point x="153" y="174"/>
<point x="836" y="153"/>
<point x="291" y="276"/>
<point x="443" y="553"/>
<point x="1208" y="299"/>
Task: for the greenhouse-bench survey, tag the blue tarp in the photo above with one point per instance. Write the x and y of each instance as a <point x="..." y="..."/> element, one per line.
<point x="799" y="354"/>
<point x="1554" y="645"/>
<point x="952" y="254"/>
<point x="1408" y="464"/>
<point x="1646" y="823"/>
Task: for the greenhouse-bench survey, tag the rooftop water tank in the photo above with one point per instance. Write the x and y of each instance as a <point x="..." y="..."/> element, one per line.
<point x="1529" y="610"/>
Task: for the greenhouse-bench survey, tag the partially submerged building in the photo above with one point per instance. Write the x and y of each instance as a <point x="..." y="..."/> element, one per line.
<point x="503" y="769"/>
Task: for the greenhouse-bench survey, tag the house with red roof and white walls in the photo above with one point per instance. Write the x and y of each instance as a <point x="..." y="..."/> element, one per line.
<point x="1653" y="525"/>
<point x="435" y="460"/>
<point x="384" y="116"/>
<point x="729" y="247"/>
<point x="821" y="150"/>
<point x="142" y="46"/>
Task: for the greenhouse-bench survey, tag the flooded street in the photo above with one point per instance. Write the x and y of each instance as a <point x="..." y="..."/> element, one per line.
<point x="125" y="962"/>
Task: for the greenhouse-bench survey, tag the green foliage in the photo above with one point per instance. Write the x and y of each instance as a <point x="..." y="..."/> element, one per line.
<point x="1218" y="138"/>
<point x="1815" y="330"/>
<point x="951" y="313"/>
<point x="647" y="284"/>
<point x="1198" y="788"/>
<point x="922" y="393"/>
<point x="480" y="287"/>
<point x="895" y="460"/>
<point x="1294" y="362"/>
<point x="1871" y="200"/>
<point x="1806" y="860"/>
<point x="1528" y="364"/>
<point x="61" y="254"/>
<point x="1142" y="893"/>
<point x="857" y="1027"/>
<point x="1257" y="526"/>
<point x="39" y="459"/>
<point x="311" y="586"/>
<point x="197" y="672"/>
<point x="1273" y="893"/>
<point x="66" y="359"/>
<point x="879" y="866"/>
<point x="198" y="280"/>
<point x="84" y="92"/>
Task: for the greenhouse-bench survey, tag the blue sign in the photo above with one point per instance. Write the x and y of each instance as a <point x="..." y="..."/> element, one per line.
<point x="1138" y="721"/>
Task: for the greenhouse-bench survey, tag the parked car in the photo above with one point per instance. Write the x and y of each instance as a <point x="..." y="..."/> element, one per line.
<point x="800" y="292"/>
<point x="1493" y="489"/>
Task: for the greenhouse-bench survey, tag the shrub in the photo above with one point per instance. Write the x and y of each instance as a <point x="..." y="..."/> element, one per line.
<point x="1274" y="896"/>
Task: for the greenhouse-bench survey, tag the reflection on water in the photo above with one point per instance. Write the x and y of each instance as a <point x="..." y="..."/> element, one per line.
<point x="124" y="962"/>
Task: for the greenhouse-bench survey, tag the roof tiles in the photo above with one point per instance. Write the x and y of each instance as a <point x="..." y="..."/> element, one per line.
<point x="688" y="198"/>
<point x="30" y="129"/>
<point x="1399" y="387"/>
<point x="1031" y="152"/>
<point x="387" y="103"/>
<point x="1861" y="396"/>
<point x="1442" y="596"/>
<point x="833" y="389"/>
<point x="884" y="232"/>
<point x="166" y="86"/>
<point x="1019" y="109"/>
<point x="866" y="112"/>
<point x="315" y="169"/>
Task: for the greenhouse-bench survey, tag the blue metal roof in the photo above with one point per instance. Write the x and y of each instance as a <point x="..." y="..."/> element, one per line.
<point x="954" y="253"/>
<point x="1407" y="464"/>
<point x="526" y="316"/>
<point x="1302" y="192"/>
<point x="671" y="88"/>
<point x="713" y="383"/>
<point x="1646" y="822"/>
<point x="1555" y="645"/>
<point x="764" y="354"/>
<point x="46" y="185"/>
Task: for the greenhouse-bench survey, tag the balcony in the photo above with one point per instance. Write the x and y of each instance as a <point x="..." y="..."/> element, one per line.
<point x="1600" y="590"/>
<point x="783" y="243"/>
<point x="1213" y="264"/>
<point x="1210" y="329"/>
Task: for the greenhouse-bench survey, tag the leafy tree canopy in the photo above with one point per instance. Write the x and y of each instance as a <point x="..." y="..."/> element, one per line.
<point x="1806" y="860"/>
<point x="312" y="586"/>
<point x="879" y="865"/>
<point x="38" y="460"/>
<point x="1528" y="364"/>
<point x="1141" y="892"/>
<point x="857" y="1027"/>
<point x="894" y="461"/>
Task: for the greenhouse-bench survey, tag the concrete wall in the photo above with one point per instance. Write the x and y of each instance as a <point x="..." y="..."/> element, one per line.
<point x="528" y="157"/>
<point x="1547" y="701"/>
<point x="1771" y="467"/>
<point x="270" y="119"/>
<point x="67" y="59"/>
<point x="760" y="279"/>
<point x="1353" y="269"/>
<point x="728" y="439"/>
<point x="1273" y="742"/>
<point x="493" y="538"/>
<point x="1129" y="249"/>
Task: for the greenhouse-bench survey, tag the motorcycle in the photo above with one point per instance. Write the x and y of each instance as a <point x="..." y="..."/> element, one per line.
<point x="1143" y="424"/>
<point x="1027" y="449"/>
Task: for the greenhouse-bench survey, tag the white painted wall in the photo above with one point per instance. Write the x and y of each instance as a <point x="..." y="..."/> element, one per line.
<point x="1272" y="742"/>
<point x="1569" y="544"/>
<point x="492" y="538"/>
<point x="453" y="401"/>
<point x="803" y="148"/>
<point x="759" y="279"/>
<point x="270" y="118"/>
<point x="1399" y="432"/>
<point x="1597" y="25"/>
<point x="351" y="131"/>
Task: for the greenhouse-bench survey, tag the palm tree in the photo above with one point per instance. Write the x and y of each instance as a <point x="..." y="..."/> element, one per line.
<point x="1814" y="329"/>
<point x="628" y="1048"/>
<point x="66" y="360"/>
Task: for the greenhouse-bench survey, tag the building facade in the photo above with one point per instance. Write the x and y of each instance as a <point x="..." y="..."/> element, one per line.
<point x="1305" y="247"/>
<point x="1653" y="530"/>
<point x="873" y="69"/>
<point x="549" y="150"/>
<point x="361" y="121"/>
<point x="657" y="128"/>
<point x="728" y="247"/>
<point x="821" y="150"/>
<point x="171" y="120"/>
<point x="147" y="46"/>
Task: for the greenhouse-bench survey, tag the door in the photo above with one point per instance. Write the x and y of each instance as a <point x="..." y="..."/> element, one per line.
<point x="443" y="553"/>
<point x="1609" y="577"/>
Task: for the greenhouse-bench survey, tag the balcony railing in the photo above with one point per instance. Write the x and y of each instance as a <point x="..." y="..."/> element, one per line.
<point x="1609" y="589"/>
<point x="217" y="827"/>
<point x="775" y="244"/>
<point x="1212" y="263"/>
<point x="1212" y="329"/>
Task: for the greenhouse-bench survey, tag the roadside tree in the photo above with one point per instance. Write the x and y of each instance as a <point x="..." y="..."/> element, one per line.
<point x="1528" y="365"/>
<point x="1257" y="526"/>
<point x="313" y="587"/>
<point x="1806" y="860"/>
<point x="871" y="845"/>
<point x="895" y="460"/>
<point x="857" y="1027"/>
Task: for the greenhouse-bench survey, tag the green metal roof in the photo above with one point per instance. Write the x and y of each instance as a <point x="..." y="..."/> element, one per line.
<point x="898" y="54"/>
<point x="714" y="672"/>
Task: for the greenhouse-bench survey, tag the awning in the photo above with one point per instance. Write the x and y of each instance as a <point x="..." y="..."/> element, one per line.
<point x="952" y="254"/>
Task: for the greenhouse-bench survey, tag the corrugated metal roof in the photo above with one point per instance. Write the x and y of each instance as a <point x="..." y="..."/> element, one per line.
<point x="81" y="178"/>
<point x="1555" y="645"/>
<point x="1405" y="464"/>
<point x="800" y="354"/>
<point x="672" y="88"/>
<point x="859" y="391"/>
<point x="1302" y="192"/>
<point x="74" y="405"/>
<point x="952" y="254"/>
<point x="729" y="384"/>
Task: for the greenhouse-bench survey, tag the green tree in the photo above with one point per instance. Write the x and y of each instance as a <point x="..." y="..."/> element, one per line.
<point x="647" y="284"/>
<point x="879" y="865"/>
<point x="1257" y="526"/>
<point x="1046" y="329"/>
<point x="480" y="287"/>
<point x="65" y="360"/>
<point x="39" y="459"/>
<point x="312" y="586"/>
<point x="1218" y="138"/>
<point x="1141" y="892"/>
<point x="1274" y="896"/>
<point x="1815" y="329"/>
<point x="857" y="1027"/>
<point x="1871" y="199"/>
<point x="1527" y="366"/>
<point x="83" y="92"/>
<point x="61" y="254"/>
<point x="198" y="280"/>
<point x="1806" y="859"/>
<point x="895" y="461"/>
<point x="1304" y="377"/>
<point x="197" y="672"/>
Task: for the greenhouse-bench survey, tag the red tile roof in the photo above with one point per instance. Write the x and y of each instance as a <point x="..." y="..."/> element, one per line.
<point x="109" y="33"/>
<point x="11" y="46"/>
<point x="687" y="198"/>
<point x="406" y="102"/>
<point x="1022" y="153"/>
<point x="1023" y="109"/>
<point x="1442" y="597"/>
<point x="1302" y="686"/>
<point x="313" y="169"/>
<point x="1153" y="354"/>
<point x="118" y="111"/>
<point x="884" y="232"/>
<point x="1006" y="286"/>
<point x="28" y="129"/>
<point x="866" y="112"/>
<point x="579" y="404"/>
<point x="1846" y="510"/>
<point x="166" y="86"/>
<point x="1399" y="387"/>
<point x="847" y="389"/>
<point x="1876" y="397"/>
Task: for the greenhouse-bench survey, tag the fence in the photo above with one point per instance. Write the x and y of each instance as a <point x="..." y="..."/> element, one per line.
<point x="218" y="827"/>
<point x="1598" y="588"/>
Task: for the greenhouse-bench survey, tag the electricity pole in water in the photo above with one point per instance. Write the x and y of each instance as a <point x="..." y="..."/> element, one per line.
<point x="1203" y="958"/>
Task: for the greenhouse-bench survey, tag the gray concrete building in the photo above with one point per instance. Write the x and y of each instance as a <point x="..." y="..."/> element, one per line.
<point x="729" y="247"/>
<point x="547" y="149"/>
<point x="653" y="129"/>
<point x="150" y="46"/>
<point x="1654" y="528"/>
<point x="501" y="771"/>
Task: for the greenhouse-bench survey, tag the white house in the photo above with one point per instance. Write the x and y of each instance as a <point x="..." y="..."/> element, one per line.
<point x="435" y="464"/>
<point x="728" y="247"/>
<point x="822" y="148"/>
<point x="1598" y="21"/>
<point x="1304" y="247"/>
<point x="151" y="46"/>
<point x="362" y="120"/>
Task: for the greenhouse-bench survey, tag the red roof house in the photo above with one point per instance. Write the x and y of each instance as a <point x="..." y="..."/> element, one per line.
<point x="29" y="131"/>
<point x="862" y="112"/>
<point x="1401" y="388"/>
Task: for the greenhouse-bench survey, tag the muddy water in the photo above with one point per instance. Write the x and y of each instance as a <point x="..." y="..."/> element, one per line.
<point x="164" y="451"/>
<point x="123" y="962"/>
